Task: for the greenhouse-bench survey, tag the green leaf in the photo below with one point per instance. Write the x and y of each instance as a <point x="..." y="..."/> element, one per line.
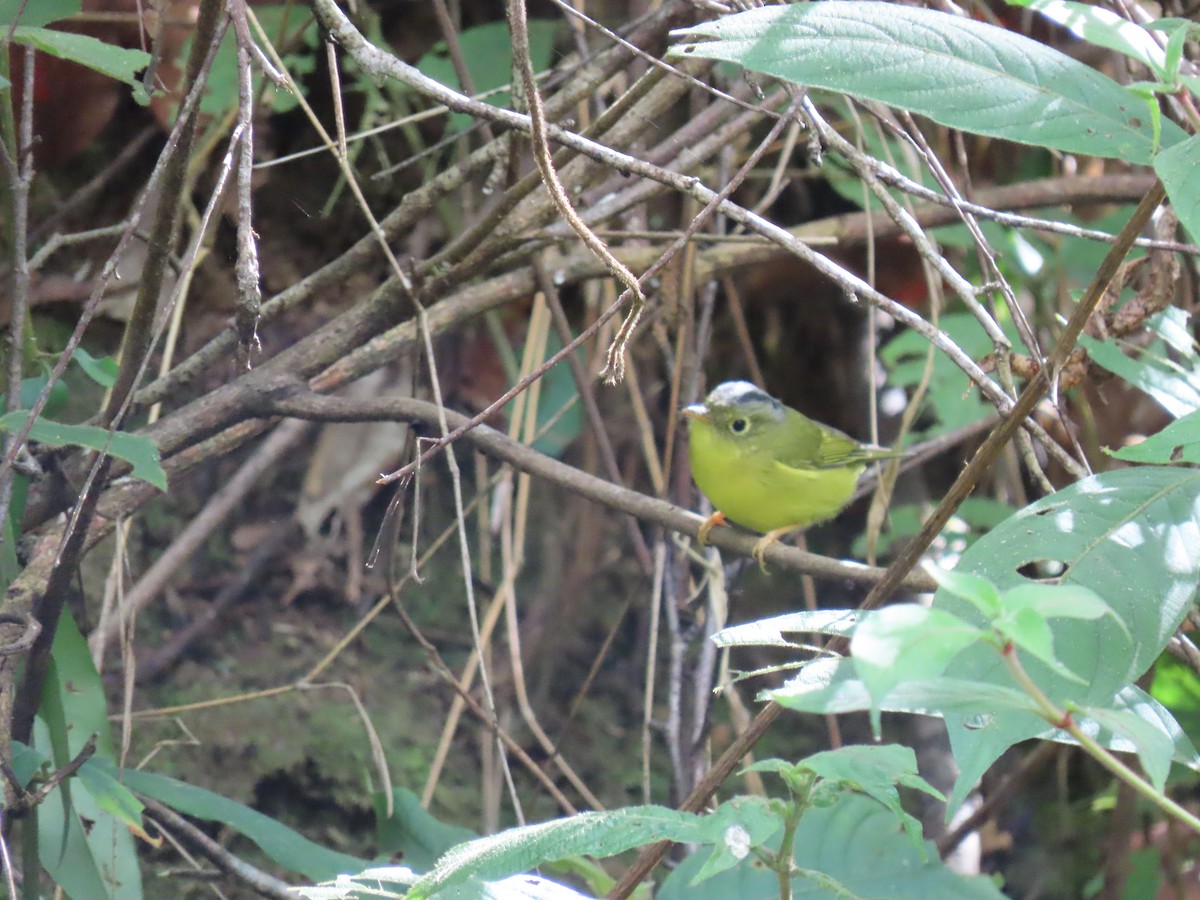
<point x="1154" y="749"/>
<point x="735" y="827"/>
<point x="413" y="833"/>
<point x="85" y="850"/>
<point x="1176" y="167"/>
<point x="878" y="772"/>
<point x="32" y="387"/>
<point x="369" y="884"/>
<point x="1092" y="534"/>
<point x="856" y="846"/>
<point x="1031" y="632"/>
<point x="283" y="845"/>
<point x="83" y="832"/>
<point x="281" y="22"/>
<point x="770" y="632"/>
<point x="115" y="62"/>
<point x="10" y="531"/>
<point x="488" y="54"/>
<point x="1168" y="369"/>
<point x="904" y="643"/>
<point x="1057" y="601"/>
<point x="974" y="516"/>
<point x="951" y="396"/>
<point x="978" y="591"/>
<point x="140" y="452"/>
<point x="34" y="13"/>
<point x="829" y="686"/>
<point x="957" y="71"/>
<point x="1137" y="702"/>
<point x="80" y="691"/>
<point x="102" y="371"/>
<point x="1180" y="31"/>
<point x="98" y="776"/>
<point x="1104" y="28"/>
<point x="593" y="834"/>
<point x="1177" y="687"/>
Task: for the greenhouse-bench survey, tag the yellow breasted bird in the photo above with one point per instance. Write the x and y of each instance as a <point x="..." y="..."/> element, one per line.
<point x="767" y="467"/>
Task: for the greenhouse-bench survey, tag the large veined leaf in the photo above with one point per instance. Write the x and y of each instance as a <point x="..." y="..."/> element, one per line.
<point x="1133" y="537"/>
<point x="594" y="834"/>
<point x="830" y="686"/>
<point x="1179" y="169"/>
<point x="856" y="845"/>
<point x="958" y="72"/>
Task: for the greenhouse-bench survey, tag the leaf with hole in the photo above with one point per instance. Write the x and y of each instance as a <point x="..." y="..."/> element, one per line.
<point x="1178" y="442"/>
<point x="1099" y="530"/>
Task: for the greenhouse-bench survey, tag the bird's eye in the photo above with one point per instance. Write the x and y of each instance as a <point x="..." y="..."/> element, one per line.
<point x="739" y="426"/>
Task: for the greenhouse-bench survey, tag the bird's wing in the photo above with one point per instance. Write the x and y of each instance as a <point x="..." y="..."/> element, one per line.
<point x="839" y="449"/>
<point x="812" y="445"/>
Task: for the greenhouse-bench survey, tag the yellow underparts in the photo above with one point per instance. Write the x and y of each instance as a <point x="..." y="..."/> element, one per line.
<point x="756" y="491"/>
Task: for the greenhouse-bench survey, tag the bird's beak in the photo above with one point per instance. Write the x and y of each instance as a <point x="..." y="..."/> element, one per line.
<point x="695" y="411"/>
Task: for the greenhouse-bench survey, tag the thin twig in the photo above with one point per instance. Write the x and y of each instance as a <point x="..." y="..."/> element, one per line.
<point x="614" y="368"/>
<point x="249" y="301"/>
<point x="18" y="164"/>
<point x="257" y="880"/>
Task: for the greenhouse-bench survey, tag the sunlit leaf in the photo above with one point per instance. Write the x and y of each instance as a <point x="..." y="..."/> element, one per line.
<point x="959" y="72"/>
<point x="1091" y="534"/>
<point x="853" y="845"/>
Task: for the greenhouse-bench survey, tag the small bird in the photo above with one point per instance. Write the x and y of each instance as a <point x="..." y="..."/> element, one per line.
<point x="767" y="467"/>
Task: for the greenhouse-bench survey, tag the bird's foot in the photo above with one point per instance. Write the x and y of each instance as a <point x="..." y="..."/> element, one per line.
<point x="760" y="547"/>
<point x="717" y="518"/>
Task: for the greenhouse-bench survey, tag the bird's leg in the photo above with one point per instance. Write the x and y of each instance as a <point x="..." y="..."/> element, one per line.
<point x="760" y="547"/>
<point x="717" y="518"/>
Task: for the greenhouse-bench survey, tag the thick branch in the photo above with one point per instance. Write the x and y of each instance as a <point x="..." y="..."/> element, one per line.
<point x="300" y="403"/>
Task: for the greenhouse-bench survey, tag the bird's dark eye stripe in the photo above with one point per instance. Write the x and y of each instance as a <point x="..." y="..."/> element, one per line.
<point x="753" y="395"/>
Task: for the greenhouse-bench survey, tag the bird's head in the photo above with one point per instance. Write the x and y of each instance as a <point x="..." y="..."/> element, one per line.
<point x="736" y="410"/>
